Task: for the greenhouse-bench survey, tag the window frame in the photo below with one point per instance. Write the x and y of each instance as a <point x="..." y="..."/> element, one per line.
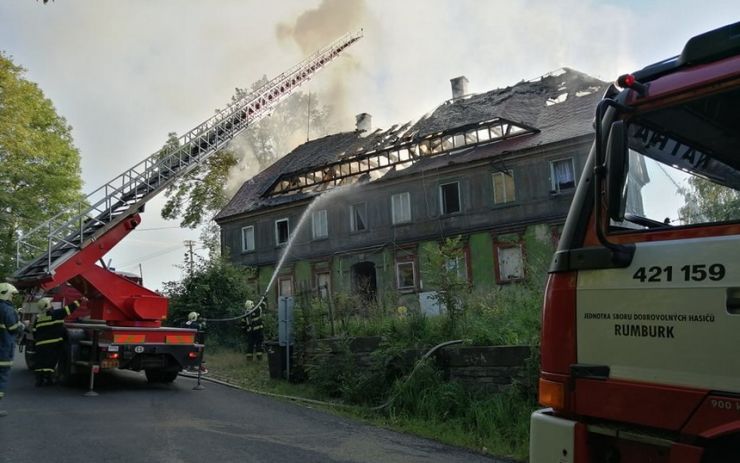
<point x="555" y="186"/>
<point x="277" y="231"/>
<point x="442" y="202"/>
<point x="413" y="286"/>
<point x="407" y="195"/>
<point x="325" y="214"/>
<point x="497" y="246"/>
<point x="507" y="198"/>
<point x="245" y="248"/>
<point x="280" y="280"/>
<point x="352" y="222"/>
<point x="317" y="276"/>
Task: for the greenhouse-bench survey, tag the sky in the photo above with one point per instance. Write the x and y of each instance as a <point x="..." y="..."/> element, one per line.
<point x="125" y="74"/>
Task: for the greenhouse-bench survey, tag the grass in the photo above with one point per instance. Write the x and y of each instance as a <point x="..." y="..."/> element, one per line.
<point x="425" y="406"/>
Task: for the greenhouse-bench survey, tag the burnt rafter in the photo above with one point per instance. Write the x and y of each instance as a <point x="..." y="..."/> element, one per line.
<point x="376" y="163"/>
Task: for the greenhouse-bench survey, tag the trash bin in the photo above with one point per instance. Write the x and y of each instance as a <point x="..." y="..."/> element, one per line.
<point x="275" y="359"/>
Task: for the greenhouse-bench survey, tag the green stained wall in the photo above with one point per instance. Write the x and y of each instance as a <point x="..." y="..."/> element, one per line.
<point x="264" y="278"/>
<point x="481" y="260"/>
<point x="424" y="250"/>
<point x="302" y="274"/>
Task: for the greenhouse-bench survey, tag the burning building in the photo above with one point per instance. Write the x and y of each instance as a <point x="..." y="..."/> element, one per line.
<point x="497" y="169"/>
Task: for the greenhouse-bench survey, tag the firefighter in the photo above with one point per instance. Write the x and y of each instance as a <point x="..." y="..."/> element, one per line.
<point x="196" y="323"/>
<point x="253" y="328"/>
<point x="10" y="326"/>
<point x="48" y="337"/>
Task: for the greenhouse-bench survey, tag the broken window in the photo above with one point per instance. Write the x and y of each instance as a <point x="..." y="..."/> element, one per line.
<point x="503" y="187"/>
<point x="319" y="224"/>
<point x="248" y="239"/>
<point x="323" y="283"/>
<point x="449" y="196"/>
<point x="509" y="263"/>
<point x="358" y="217"/>
<point x="406" y="275"/>
<point x="458" y="266"/>
<point x="282" y="231"/>
<point x="401" y="208"/>
<point x="562" y="174"/>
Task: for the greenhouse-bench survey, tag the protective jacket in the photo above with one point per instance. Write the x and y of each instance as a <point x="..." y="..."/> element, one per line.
<point x="48" y="334"/>
<point x="9" y="328"/>
<point x="253" y="322"/>
<point x="200" y="336"/>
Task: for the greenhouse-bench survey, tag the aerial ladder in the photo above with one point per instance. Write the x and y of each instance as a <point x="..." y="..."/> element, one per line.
<point x="67" y="247"/>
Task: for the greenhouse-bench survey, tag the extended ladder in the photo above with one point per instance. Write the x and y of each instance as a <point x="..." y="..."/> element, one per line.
<point x="76" y="227"/>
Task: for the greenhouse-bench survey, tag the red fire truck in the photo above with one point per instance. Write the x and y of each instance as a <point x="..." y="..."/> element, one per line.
<point x="121" y="326"/>
<point x="642" y="308"/>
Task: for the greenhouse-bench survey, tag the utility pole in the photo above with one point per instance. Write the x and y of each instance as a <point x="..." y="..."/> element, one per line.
<point x="189" y="244"/>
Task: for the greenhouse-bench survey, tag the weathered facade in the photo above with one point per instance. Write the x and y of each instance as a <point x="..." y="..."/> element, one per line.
<point x="497" y="169"/>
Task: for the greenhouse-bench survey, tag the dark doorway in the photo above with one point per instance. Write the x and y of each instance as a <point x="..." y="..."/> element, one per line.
<point x="364" y="282"/>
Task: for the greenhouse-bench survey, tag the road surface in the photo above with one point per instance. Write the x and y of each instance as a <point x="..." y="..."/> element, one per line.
<point x="132" y="421"/>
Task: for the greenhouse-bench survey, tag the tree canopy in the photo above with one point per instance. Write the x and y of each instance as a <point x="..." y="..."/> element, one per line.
<point x="706" y="201"/>
<point x="39" y="164"/>
<point x="195" y="198"/>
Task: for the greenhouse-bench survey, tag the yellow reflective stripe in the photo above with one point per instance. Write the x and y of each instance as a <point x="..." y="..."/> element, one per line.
<point x="2" y="325"/>
<point x="6" y="363"/>
<point x="55" y="322"/>
<point x="14" y="327"/>
<point x="44" y="369"/>
<point x="2" y="394"/>
<point x="48" y="341"/>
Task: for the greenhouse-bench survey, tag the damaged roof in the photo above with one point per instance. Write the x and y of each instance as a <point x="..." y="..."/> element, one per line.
<point x="558" y="105"/>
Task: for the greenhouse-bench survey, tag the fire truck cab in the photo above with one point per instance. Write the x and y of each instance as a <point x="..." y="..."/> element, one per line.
<point x="639" y="359"/>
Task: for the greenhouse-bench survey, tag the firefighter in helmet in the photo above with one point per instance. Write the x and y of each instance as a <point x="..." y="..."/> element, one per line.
<point x="196" y="323"/>
<point x="48" y="337"/>
<point x="10" y="326"/>
<point x="253" y="329"/>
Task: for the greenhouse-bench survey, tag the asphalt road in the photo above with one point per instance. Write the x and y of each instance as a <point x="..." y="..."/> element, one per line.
<point x="131" y="421"/>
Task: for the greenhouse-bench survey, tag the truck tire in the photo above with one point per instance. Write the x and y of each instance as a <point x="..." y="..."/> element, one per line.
<point x="66" y="374"/>
<point x="160" y="376"/>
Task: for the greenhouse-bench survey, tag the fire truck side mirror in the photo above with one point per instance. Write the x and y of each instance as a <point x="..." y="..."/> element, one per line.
<point x="617" y="166"/>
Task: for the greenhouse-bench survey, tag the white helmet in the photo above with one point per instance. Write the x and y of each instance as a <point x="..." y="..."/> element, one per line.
<point x="248" y="304"/>
<point x="44" y="303"/>
<point x="193" y="316"/>
<point x="7" y="291"/>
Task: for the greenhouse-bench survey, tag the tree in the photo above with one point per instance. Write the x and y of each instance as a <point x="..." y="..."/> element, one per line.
<point x="706" y="201"/>
<point x="444" y="267"/>
<point x="39" y="164"/>
<point x="195" y="198"/>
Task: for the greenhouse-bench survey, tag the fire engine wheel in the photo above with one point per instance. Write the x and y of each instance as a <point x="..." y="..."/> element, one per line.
<point x="65" y="374"/>
<point x="160" y="376"/>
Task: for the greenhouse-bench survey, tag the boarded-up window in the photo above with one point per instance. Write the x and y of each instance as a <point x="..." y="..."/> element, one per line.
<point x="509" y="263"/>
<point x="503" y="187"/>
<point x="285" y="286"/>
<point x="248" y="239"/>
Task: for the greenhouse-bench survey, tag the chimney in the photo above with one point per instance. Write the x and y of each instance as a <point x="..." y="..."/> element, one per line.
<point x="364" y="122"/>
<point x="459" y="87"/>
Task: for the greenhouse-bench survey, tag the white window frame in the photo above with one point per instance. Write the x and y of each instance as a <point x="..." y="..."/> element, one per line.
<point x="508" y="198"/>
<point x="317" y="231"/>
<point x="352" y="222"/>
<point x="500" y="277"/>
<point x="245" y="243"/>
<point x="277" y="231"/>
<point x="442" y="202"/>
<point x="413" y="274"/>
<point x="458" y="264"/>
<point x="406" y="219"/>
<point x="554" y="184"/>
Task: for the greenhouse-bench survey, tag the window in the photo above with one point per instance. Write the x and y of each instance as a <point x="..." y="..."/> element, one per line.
<point x="285" y="286"/>
<point x="449" y="197"/>
<point x="509" y="263"/>
<point x="406" y="275"/>
<point x="248" y="238"/>
<point x="358" y="217"/>
<point x="458" y="266"/>
<point x="401" y="208"/>
<point x="319" y="224"/>
<point x="503" y="187"/>
<point x="282" y="231"/>
<point x="562" y="174"/>
<point x="323" y="283"/>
